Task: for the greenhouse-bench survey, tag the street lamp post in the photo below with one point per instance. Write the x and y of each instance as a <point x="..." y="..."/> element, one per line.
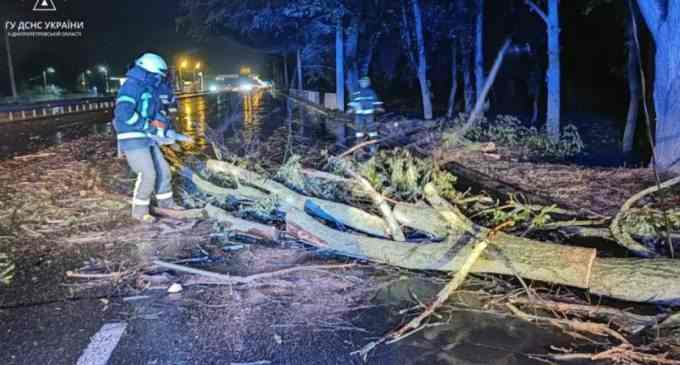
<point x="85" y="79"/>
<point x="182" y="66"/>
<point x="10" y="65"/>
<point x="49" y="70"/>
<point x="198" y="73"/>
<point x="105" y="71"/>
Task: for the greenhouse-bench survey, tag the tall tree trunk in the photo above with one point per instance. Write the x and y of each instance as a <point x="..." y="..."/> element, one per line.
<point x="422" y="61"/>
<point x="299" y="70"/>
<point x="468" y="83"/>
<point x="662" y="19"/>
<point x="479" y="48"/>
<point x="352" y="53"/>
<point x="340" y="66"/>
<point x="553" y="73"/>
<point x="10" y="65"/>
<point x="535" y="84"/>
<point x="634" y="86"/>
<point x="286" y="81"/>
<point x="366" y="65"/>
<point x="454" y="79"/>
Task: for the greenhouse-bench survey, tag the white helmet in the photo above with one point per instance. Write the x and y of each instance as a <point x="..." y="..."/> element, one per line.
<point x="153" y="63"/>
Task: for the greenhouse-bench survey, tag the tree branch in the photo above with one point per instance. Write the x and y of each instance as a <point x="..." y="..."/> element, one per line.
<point x="533" y="7"/>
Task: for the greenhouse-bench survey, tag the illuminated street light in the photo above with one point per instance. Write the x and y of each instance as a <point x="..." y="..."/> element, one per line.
<point x="48" y="70"/>
<point x="183" y="64"/>
<point x="198" y="74"/>
<point x="105" y="71"/>
<point x="85" y="75"/>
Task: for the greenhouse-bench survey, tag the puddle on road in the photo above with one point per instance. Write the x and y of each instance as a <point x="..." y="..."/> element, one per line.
<point x="469" y="337"/>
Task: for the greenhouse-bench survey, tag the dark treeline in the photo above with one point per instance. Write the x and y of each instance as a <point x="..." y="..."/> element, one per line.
<point x="444" y="49"/>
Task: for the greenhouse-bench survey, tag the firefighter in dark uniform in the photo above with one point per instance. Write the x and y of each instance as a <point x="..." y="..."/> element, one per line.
<point x="365" y="104"/>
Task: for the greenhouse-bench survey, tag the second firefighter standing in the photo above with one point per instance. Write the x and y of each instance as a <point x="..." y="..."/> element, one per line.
<point x="364" y="105"/>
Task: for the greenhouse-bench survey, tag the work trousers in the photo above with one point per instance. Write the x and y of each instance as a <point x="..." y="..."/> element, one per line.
<point x="153" y="175"/>
<point x="366" y="129"/>
<point x="365" y="124"/>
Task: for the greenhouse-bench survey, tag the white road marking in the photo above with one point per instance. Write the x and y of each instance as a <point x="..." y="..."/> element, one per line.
<point x="102" y="344"/>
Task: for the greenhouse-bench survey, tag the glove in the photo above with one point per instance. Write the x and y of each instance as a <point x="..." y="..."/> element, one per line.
<point x="178" y="137"/>
<point x="158" y="124"/>
<point x="169" y="137"/>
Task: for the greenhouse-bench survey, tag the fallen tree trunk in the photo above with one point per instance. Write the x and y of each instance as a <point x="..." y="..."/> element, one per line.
<point x="503" y="190"/>
<point x="638" y="280"/>
<point x="633" y="279"/>
<point x="354" y="218"/>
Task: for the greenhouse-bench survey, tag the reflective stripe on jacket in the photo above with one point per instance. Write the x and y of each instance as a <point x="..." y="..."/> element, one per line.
<point x="365" y="101"/>
<point x="137" y="104"/>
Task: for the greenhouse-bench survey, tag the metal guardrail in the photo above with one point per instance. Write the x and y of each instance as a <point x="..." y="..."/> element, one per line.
<point x="48" y="109"/>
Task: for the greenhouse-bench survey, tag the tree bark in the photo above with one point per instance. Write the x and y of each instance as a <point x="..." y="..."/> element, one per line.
<point x="422" y="61"/>
<point x="479" y="48"/>
<point x="352" y="53"/>
<point x="553" y="73"/>
<point x="340" y="66"/>
<point x="300" y="77"/>
<point x="634" y="86"/>
<point x="285" y="72"/>
<point x="370" y="52"/>
<point x="354" y="218"/>
<point x="468" y="83"/>
<point x="662" y="19"/>
<point x="454" y="79"/>
<point x="536" y="82"/>
<point x="641" y="280"/>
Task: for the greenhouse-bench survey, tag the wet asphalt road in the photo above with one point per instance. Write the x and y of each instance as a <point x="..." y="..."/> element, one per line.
<point x="45" y="321"/>
<point x="174" y="329"/>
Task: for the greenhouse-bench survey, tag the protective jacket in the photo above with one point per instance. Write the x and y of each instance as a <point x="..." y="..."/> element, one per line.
<point x="365" y="101"/>
<point x="137" y="105"/>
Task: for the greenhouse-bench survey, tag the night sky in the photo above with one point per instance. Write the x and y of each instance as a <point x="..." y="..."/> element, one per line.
<point x="116" y="32"/>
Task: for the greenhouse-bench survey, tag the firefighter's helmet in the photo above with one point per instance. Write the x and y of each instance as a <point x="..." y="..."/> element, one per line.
<point x="365" y="82"/>
<point x="153" y="63"/>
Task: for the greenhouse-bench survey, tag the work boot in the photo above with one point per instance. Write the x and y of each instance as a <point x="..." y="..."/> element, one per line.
<point x="147" y="219"/>
<point x="141" y="214"/>
<point x="169" y="204"/>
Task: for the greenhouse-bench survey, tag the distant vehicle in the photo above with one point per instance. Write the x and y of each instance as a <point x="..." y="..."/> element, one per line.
<point x="234" y="82"/>
<point x="225" y="82"/>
